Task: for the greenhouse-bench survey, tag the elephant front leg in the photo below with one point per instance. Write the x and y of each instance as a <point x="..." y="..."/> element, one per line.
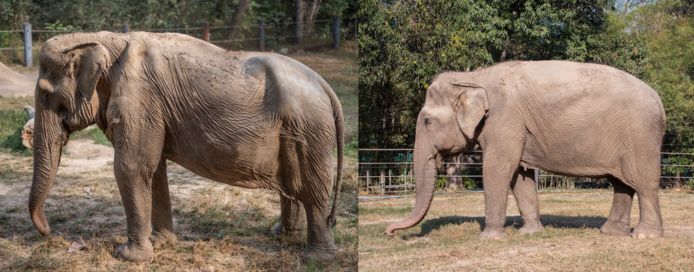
<point x="620" y="216"/>
<point x="137" y="158"/>
<point x="292" y="218"/>
<point x="136" y="194"/>
<point x="499" y="168"/>
<point x="525" y="193"/>
<point x="162" y="220"/>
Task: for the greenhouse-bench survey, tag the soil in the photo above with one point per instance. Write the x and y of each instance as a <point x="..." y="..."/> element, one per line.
<point x="16" y="84"/>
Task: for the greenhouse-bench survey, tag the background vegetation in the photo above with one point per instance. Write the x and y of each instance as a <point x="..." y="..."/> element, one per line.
<point x="404" y="44"/>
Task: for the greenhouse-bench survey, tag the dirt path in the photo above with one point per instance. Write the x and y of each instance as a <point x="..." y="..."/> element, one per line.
<point x="16" y="84"/>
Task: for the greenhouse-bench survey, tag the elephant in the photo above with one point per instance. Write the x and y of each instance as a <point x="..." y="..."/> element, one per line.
<point x="248" y="119"/>
<point x="574" y="119"/>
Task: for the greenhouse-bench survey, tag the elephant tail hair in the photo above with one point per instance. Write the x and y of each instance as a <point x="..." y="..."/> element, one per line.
<point x="339" y="135"/>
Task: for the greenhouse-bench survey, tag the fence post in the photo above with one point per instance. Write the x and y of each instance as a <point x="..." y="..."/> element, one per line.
<point x="261" y="30"/>
<point x="336" y="32"/>
<point x="28" y="60"/>
<point x="206" y="31"/>
<point x="537" y="178"/>
<point x="382" y="182"/>
<point x="368" y="179"/>
<point x="126" y="28"/>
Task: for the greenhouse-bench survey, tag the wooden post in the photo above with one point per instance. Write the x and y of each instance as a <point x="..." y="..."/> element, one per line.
<point x="126" y="28"/>
<point x="206" y="31"/>
<point x="261" y="33"/>
<point x="368" y="180"/>
<point x="28" y="59"/>
<point x="382" y="182"/>
<point x="336" y="33"/>
<point x="390" y="179"/>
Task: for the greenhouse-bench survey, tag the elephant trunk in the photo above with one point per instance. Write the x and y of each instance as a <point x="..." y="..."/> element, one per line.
<point x="425" y="177"/>
<point x="48" y="141"/>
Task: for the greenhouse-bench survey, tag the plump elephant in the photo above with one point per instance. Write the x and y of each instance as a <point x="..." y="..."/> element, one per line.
<point x="253" y="120"/>
<point x="574" y="119"/>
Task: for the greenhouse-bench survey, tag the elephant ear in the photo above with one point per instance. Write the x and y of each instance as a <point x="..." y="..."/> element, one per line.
<point x="471" y="105"/>
<point x="93" y="60"/>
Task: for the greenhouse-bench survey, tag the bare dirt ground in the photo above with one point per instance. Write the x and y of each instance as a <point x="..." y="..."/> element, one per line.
<point x="219" y="227"/>
<point x="446" y="240"/>
<point x="13" y="83"/>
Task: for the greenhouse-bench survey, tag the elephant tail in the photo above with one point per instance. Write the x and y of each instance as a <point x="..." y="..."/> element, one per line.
<point x="339" y="136"/>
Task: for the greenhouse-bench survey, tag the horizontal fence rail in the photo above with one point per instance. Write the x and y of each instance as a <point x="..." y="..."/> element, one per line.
<point x="388" y="172"/>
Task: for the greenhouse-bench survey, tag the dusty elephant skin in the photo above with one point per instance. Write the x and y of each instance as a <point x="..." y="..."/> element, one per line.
<point x="254" y="120"/>
<point x="570" y="118"/>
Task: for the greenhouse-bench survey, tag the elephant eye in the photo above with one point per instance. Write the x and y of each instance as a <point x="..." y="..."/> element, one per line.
<point x="427" y="121"/>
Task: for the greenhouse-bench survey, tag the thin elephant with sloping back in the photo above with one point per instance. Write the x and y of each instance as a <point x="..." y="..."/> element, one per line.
<point x="570" y="118"/>
<point x="254" y="120"/>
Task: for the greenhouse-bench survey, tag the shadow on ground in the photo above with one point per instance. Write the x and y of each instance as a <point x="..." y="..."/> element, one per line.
<point x="555" y="221"/>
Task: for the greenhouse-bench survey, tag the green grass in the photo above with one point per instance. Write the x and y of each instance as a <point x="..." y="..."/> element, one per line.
<point x="12" y="119"/>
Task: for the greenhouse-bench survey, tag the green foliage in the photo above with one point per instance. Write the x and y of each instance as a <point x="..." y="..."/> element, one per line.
<point x="405" y="44"/>
<point x="441" y="182"/>
<point x="111" y="15"/>
<point x="58" y="26"/>
<point x="11" y="123"/>
<point x="668" y="30"/>
<point x="469" y="183"/>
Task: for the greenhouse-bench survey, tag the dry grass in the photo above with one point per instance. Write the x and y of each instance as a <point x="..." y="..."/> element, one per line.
<point x="219" y="227"/>
<point x="447" y="238"/>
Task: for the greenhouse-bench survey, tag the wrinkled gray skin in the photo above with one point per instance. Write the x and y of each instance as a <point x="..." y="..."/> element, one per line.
<point x="254" y="120"/>
<point x="570" y="118"/>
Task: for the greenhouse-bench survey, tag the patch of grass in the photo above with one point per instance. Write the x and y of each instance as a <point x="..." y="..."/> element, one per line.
<point x="447" y="239"/>
<point x="11" y="122"/>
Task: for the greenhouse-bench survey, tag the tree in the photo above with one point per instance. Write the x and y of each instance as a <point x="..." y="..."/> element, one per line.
<point x="404" y="44"/>
<point x="236" y="18"/>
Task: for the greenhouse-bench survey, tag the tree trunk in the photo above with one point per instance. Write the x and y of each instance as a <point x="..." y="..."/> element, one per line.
<point x="299" y="22"/>
<point x="311" y="15"/>
<point x="237" y="17"/>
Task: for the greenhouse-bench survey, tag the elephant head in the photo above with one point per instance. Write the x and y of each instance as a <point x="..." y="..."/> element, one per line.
<point x="446" y="125"/>
<point x="65" y="101"/>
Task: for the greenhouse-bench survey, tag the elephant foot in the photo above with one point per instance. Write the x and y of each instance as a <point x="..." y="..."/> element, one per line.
<point x="132" y="252"/>
<point x="641" y="232"/>
<point x="163" y="238"/>
<point x="494" y="234"/>
<point x="615" y="229"/>
<point x="279" y="231"/>
<point x="319" y="255"/>
<point x="530" y="227"/>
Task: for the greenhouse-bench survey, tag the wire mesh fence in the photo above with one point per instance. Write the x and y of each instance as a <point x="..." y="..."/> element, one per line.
<point x="384" y="172"/>
<point x="22" y="45"/>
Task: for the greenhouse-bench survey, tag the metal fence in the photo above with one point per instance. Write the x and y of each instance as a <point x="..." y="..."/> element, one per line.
<point x="389" y="172"/>
<point x="272" y="35"/>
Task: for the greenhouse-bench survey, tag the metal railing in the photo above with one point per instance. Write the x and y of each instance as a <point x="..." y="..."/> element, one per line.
<point x="389" y="172"/>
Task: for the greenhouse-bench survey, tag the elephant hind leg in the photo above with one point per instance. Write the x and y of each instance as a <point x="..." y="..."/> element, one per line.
<point x="321" y="244"/>
<point x="643" y="174"/>
<point x="162" y="219"/>
<point x="620" y="215"/>
<point x="525" y="192"/>
<point x="292" y="220"/>
<point x="650" y="222"/>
